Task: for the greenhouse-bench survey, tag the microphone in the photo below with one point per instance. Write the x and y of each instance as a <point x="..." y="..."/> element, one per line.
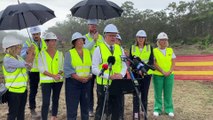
<point x="139" y="66"/>
<point x="111" y="61"/>
<point x="104" y="67"/>
<point x="147" y="66"/>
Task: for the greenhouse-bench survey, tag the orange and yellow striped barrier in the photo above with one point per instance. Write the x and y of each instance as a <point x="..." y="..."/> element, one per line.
<point x="196" y="67"/>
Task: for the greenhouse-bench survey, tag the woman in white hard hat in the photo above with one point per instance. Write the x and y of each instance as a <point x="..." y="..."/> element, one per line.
<point x="163" y="76"/>
<point x="50" y="64"/>
<point x="144" y="52"/>
<point x="77" y="69"/>
<point x="16" y="78"/>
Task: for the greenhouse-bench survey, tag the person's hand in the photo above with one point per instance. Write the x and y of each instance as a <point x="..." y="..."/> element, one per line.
<point x="95" y="36"/>
<point x="31" y="50"/>
<point x="166" y="74"/>
<point x="116" y="76"/>
<point x="56" y="77"/>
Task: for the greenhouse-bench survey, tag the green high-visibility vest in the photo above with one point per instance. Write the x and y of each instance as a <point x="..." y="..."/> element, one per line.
<point x="99" y="41"/>
<point x="16" y="81"/>
<point x="37" y="51"/>
<point x="163" y="61"/>
<point x="116" y="68"/>
<point x="82" y="66"/>
<point x="52" y="65"/>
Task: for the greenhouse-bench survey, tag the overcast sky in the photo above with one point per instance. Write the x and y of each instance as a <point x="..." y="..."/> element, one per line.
<point x="62" y="7"/>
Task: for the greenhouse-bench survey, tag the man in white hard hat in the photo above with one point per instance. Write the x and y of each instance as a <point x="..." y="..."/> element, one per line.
<point x="100" y="57"/>
<point x="93" y="39"/>
<point x="38" y="44"/>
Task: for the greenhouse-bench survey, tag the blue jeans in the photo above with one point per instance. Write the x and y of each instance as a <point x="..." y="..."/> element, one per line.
<point x="46" y="93"/>
<point x="76" y="92"/>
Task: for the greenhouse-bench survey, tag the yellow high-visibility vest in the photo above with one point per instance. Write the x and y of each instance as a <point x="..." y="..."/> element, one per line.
<point x="99" y="40"/>
<point x="37" y="51"/>
<point x="116" y="68"/>
<point x="163" y="61"/>
<point x="81" y="66"/>
<point x="144" y="55"/>
<point x="16" y="81"/>
<point x="52" y="65"/>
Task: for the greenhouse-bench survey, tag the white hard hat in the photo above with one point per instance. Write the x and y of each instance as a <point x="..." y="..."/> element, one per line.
<point x="50" y="36"/>
<point x="141" y="33"/>
<point x="118" y="37"/>
<point x="92" y="21"/>
<point x="35" y="29"/>
<point x="77" y="35"/>
<point x="162" y="35"/>
<point x="110" y="28"/>
<point x="9" y="41"/>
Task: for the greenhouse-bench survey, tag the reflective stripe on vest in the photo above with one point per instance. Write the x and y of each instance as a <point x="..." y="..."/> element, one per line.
<point x="37" y="51"/>
<point x="16" y="81"/>
<point x="144" y="55"/>
<point x="163" y="61"/>
<point x="52" y="65"/>
<point x="82" y="67"/>
<point x="116" y="68"/>
<point x="90" y="39"/>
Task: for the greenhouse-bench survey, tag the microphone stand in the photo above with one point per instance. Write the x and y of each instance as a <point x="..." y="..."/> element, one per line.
<point x="136" y="84"/>
<point x="106" y="96"/>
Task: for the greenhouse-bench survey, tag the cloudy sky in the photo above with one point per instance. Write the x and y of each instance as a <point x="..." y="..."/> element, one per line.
<point x="62" y="7"/>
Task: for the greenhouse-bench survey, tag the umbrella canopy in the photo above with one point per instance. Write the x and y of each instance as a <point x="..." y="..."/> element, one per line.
<point x="17" y="17"/>
<point x="96" y="9"/>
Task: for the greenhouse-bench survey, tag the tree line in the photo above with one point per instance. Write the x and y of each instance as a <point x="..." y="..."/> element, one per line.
<point x="184" y="22"/>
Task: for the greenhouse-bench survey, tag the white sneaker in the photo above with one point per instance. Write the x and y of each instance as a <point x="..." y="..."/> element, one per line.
<point x="171" y="114"/>
<point x="136" y="116"/>
<point x="156" y="114"/>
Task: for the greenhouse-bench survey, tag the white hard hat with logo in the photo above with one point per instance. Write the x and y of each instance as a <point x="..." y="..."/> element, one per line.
<point x="77" y="35"/>
<point x="35" y="29"/>
<point x="141" y="33"/>
<point x="111" y="28"/>
<point x="118" y="37"/>
<point x="9" y="41"/>
<point x="92" y="21"/>
<point x="50" y="36"/>
<point x="162" y="35"/>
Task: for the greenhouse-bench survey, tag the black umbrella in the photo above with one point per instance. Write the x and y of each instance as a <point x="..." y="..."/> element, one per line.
<point x="96" y="9"/>
<point x="17" y="17"/>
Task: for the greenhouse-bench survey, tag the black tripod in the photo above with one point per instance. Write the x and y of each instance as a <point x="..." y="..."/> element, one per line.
<point x="136" y="84"/>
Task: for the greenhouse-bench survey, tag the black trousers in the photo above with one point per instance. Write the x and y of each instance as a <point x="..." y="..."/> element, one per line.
<point x="34" y="81"/>
<point x="113" y="105"/>
<point x="144" y="89"/>
<point x="47" y="88"/>
<point x="16" y="104"/>
<point x="91" y="94"/>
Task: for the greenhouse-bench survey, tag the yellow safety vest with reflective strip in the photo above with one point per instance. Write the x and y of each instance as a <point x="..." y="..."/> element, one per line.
<point x="116" y="68"/>
<point x="82" y="66"/>
<point x="52" y="65"/>
<point x="99" y="40"/>
<point x="144" y="55"/>
<point x="163" y="61"/>
<point x="37" y="51"/>
<point x="16" y="81"/>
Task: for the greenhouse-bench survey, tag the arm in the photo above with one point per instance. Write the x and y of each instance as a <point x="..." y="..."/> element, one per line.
<point x="24" y="50"/>
<point x="68" y="68"/>
<point x="89" y="45"/>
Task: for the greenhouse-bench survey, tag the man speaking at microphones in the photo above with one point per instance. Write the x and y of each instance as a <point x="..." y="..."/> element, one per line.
<point x="108" y="52"/>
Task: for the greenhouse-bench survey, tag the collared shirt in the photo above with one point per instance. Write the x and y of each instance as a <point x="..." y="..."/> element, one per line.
<point x="96" y="60"/>
<point x="25" y="47"/>
<point x="89" y="44"/>
<point x="12" y="64"/>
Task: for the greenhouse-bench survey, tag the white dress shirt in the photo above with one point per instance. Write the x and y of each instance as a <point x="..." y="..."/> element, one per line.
<point x="97" y="60"/>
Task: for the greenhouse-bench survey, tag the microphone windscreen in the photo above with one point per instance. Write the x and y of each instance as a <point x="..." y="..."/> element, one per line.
<point x="105" y="66"/>
<point x="111" y="60"/>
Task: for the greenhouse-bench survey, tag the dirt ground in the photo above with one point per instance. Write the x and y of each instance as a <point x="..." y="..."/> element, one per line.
<point x="193" y="100"/>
